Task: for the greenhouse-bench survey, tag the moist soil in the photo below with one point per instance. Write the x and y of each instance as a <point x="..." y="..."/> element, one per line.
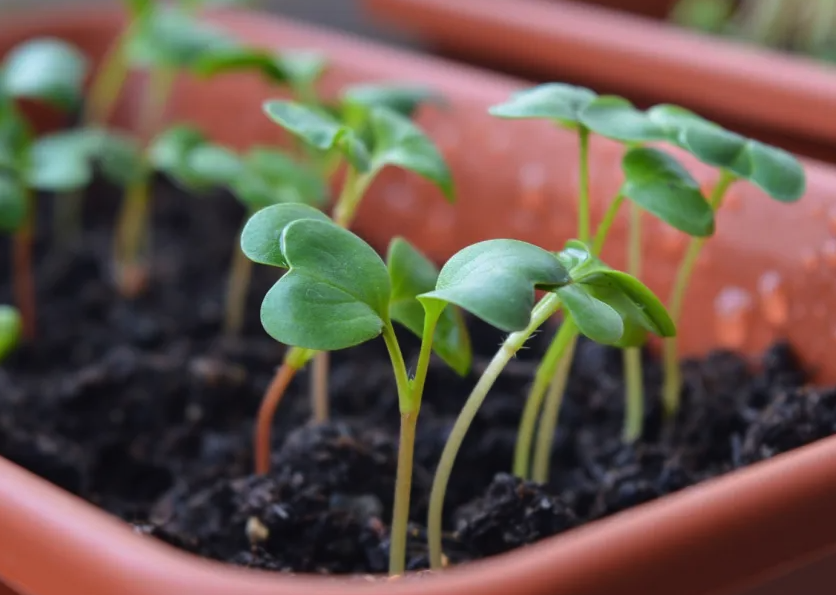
<point x="143" y="408"/>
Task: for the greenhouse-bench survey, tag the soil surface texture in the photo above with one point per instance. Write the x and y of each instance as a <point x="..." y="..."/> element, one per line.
<point x="144" y="409"/>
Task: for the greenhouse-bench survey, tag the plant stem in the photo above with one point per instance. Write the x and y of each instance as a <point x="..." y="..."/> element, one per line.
<point x="354" y="187"/>
<point x="319" y="386"/>
<point x="541" y="312"/>
<point x="606" y="223"/>
<point x="673" y="379"/>
<point x="237" y="288"/>
<point x="108" y="83"/>
<point x="264" y="421"/>
<point x="583" y="185"/>
<point x="534" y="402"/>
<point x="551" y="408"/>
<point x="131" y="241"/>
<point x="633" y="378"/>
<point x="24" y="280"/>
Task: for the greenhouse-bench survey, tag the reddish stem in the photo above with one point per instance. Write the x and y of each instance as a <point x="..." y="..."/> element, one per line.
<point x="24" y="281"/>
<point x="272" y="398"/>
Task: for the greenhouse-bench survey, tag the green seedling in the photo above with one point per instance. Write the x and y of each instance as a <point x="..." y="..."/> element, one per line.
<point x="338" y="293"/>
<point x="11" y="326"/>
<point x="783" y="24"/>
<point x="259" y="178"/>
<point x="615" y="118"/>
<point x="49" y="71"/>
<point x="495" y="281"/>
<point x="376" y="138"/>
<point x="773" y="170"/>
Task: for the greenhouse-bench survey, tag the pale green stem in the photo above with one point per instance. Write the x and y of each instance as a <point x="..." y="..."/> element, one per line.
<point x="542" y="312"/>
<point x="319" y="387"/>
<point x="583" y="185"/>
<point x="551" y="408"/>
<point x="673" y="379"/>
<point x="633" y="378"/>
<point x="237" y="288"/>
<point x="606" y="224"/>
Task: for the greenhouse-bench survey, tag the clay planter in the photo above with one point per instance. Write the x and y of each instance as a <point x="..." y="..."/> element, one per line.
<point x="767" y="274"/>
<point x="781" y="99"/>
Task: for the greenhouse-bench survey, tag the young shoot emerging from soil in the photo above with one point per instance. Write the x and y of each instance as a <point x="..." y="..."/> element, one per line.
<point x="52" y="72"/>
<point x="368" y="136"/>
<point x="339" y="293"/>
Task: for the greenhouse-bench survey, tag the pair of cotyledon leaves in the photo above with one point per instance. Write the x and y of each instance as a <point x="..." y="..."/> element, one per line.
<point x="338" y="292"/>
<point x="654" y="179"/>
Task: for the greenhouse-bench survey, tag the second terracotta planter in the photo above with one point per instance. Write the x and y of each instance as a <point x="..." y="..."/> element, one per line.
<point x="767" y="274"/>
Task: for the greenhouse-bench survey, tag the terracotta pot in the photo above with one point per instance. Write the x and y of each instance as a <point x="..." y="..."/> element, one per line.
<point x="768" y="273"/>
<point x="658" y="9"/>
<point x="781" y="99"/>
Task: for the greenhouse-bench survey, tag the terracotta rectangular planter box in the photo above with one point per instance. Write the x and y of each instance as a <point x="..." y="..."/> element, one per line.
<point x="781" y="99"/>
<point x="767" y="529"/>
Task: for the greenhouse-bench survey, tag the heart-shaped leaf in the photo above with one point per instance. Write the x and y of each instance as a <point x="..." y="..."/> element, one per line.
<point x="776" y="172"/>
<point x="11" y="326"/>
<point x="412" y="274"/>
<point x="579" y="261"/>
<point x="184" y="153"/>
<point x="659" y="184"/>
<point x="617" y="118"/>
<point x="13" y="204"/>
<point x="495" y="281"/>
<point x="719" y="147"/>
<point x="213" y="166"/>
<point x="558" y="102"/>
<point x="60" y="162"/>
<point x="167" y="152"/>
<point x="46" y="69"/>
<point x="171" y="38"/>
<point x="397" y="141"/>
<point x="296" y="69"/>
<point x="271" y="177"/>
<point x="319" y="130"/>
<point x="260" y="238"/>
<point x="674" y="120"/>
<point x="633" y="300"/>
<point x="596" y="319"/>
<point x="403" y="99"/>
<point x="336" y="293"/>
<point x="120" y="158"/>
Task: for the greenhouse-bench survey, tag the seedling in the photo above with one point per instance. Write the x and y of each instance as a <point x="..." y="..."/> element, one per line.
<point x="11" y="326"/>
<point x="376" y="138"/>
<point x="260" y="178"/>
<point x="495" y="281"/>
<point x="773" y="170"/>
<point x="339" y="293"/>
<point x="52" y="72"/>
<point x="615" y="118"/>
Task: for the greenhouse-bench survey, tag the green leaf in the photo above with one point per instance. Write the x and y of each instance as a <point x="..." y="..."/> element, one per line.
<point x="397" y="141"/>
<point x="495" y="281"/>
<point x="616" y="118"/>
<point x="212" y="165"/>
<point x="60" y="162"/>
<point x="318" y="130"/>
<point x="674" y="120"/>
<point x="14" y="139"/>
<point x="719" y="147"/>
<point x="403" y="99"/>
<point x="659" y="184"/>
<point x="271" y="177"/>
<point x="595" y="319"/>
<point x="579" y="261"/>
<point x="46" y="69"/>
<point x="336" y="293"/>
<point x="171" y="38"/>
<point x="634" y="300"/>
<point x="776" y="172"/>
<point x="11" y="326"/>
<point x="13" y="204"/>
<point x="184" y="153"/>
<point x="558" y="102"/>
<point x="260" y="238"/>
<point x="167" y="152"/>
<point x="411" y="274"/>
<point x="296" y="69"/>
<point x="119" y="157"/>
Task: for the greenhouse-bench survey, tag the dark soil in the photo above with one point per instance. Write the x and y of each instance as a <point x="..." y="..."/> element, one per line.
<point x="144" y="410"/>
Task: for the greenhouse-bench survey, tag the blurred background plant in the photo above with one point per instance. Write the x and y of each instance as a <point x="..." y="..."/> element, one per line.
<point x="799" y="26"/>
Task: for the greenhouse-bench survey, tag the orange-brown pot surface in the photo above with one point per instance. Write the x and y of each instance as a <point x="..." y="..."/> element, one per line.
<point x="773" y="96"/>
<point x="767" y="274"/>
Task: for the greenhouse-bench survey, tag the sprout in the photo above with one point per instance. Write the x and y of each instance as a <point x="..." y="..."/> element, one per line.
<point x="338" y="293"/>
<point x="495" y="280"/>
<point x="376" y="137"/>
<point x="773" y="170"/>
<point x="260" y="178"/>
<point x="11" y="326"/>
<point x="52" y="72"/>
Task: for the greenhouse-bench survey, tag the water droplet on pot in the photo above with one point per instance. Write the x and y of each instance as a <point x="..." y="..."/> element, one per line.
<point x="532" y="175"/>
<point x="733" y="305"/>
<point x="775" y="304"/>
